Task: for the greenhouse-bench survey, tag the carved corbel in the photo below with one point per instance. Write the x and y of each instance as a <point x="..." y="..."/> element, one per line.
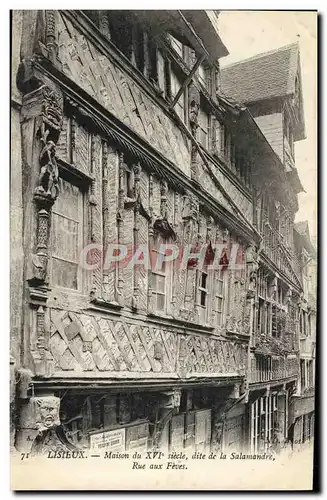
<point x="39" y="416"/>
<point x="39" y="41"/>
<point x="168" y="406"/>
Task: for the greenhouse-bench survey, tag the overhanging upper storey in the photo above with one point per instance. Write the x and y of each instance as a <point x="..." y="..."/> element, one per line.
<point x="197" y="29"/>
<point x="268" y="171"/>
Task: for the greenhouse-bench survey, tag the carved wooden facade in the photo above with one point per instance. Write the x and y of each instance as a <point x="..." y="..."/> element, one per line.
<point x="107" y="161"/>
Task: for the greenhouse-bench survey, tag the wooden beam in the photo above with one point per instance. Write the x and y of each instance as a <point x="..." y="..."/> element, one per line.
<point x="187" y="81"/>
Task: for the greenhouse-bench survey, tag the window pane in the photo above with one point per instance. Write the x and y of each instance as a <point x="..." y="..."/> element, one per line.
<point x="177" y="45"/>
<point x="64" y="237"/>
<point x="64" y="273"/>
<point x="220" y="285"/>
<point x="160" y="302"/>
<point x="160" y="281"/>
<point x="203" y="280"/>
<point x="203" y="298"/>
<point x="67" y="202"/>
<point x="219" y="304"/>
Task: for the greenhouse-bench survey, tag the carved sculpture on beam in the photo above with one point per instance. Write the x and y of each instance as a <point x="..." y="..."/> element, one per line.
<point x="168" y="406"/>
<point x="161" y="224"/>
<point x="252" y="266"/>
<point x="47" y="189"/>
<point x="194" y="107"/>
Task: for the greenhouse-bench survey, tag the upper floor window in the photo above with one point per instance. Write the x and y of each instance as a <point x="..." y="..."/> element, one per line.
<point x="121" y="31"/>
<point x="220" y="295"/>
<point x="204" y="126"/>
<point x="240" y="164"/>
<point x="176" y="84"/>
<point x="205" y="76"/>
<point x="202" y="293"/>
<point x="128" y="181"/>
<point x="161" y="282"/>
<point x="177" y="45"/>
<point x="67" y="228"/>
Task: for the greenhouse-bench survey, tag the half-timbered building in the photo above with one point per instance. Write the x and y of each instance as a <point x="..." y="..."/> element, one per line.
<point x="127" y="136"/>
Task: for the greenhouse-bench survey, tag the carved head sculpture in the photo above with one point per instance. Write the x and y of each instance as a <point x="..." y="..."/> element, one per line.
<point x="218" y="431"/>
<point x="124" y="410"/>
<point x="47" y="412"/>
<point x="176" y="399"/>
<point x="194" y="111"/>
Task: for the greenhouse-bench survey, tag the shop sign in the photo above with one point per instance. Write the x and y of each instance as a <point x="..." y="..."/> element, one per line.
<point x="108" y="440"/>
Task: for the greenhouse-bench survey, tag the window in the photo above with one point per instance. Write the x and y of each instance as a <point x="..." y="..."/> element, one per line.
<point x="176" y="45"/>
<point x="128" y="182"/>
<point x="175" y="86"/>
<point x="138" y="48"/>
<point x="310" y="373"/>
<point x="264" y="307"/>
<point x="160" y="275"/>
<point x="121" y="33"/>
<point x="220" y="286"/>
<point x="218" y="138"/>
<point x="226" y="141"/>
<point x="202" y="292"/>
<point x="303" y="323"/>
<point x="302" y="369"/>
<point x="204" y="75"/>
<point x="67" y="237"/>
<point x="203" y="130"/>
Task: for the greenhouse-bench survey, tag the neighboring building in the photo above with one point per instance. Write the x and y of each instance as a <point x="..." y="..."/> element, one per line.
<point x="123" y="132"/>
<point x="269" y="85"/>
<point x="303" y="401"/>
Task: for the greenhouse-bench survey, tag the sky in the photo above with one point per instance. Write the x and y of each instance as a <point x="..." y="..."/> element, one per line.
<point x="247" y="33"/>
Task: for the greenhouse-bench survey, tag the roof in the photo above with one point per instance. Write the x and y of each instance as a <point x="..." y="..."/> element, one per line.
<point x="264" y="76"/>
<point x="302" y="229"/>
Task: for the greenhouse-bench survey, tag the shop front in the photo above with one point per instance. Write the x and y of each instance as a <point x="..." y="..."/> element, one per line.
<point x="114" y="422"/>
<point x="268" y="421"/>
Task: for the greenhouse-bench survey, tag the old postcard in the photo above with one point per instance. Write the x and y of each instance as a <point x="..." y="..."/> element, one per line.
<point x="163" y="249"/>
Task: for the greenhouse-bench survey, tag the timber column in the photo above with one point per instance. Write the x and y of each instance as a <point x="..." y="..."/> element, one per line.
<point x="41" y="124"/>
